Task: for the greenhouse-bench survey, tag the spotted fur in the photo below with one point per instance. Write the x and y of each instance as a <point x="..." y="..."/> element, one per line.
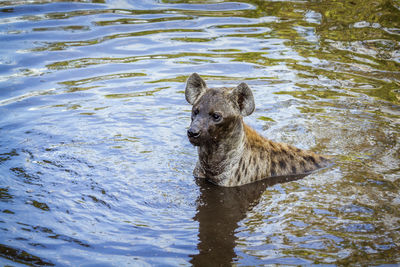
<point x="230" y="152"/>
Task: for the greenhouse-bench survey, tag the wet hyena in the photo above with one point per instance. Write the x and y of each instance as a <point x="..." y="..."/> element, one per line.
<point x="230" y="152"/>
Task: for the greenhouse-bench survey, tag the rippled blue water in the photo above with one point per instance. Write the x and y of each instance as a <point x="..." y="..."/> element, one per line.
<point x="95" y="166"/>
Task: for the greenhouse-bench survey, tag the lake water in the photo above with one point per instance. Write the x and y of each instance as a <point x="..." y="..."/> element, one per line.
<point x="95" y="165"/>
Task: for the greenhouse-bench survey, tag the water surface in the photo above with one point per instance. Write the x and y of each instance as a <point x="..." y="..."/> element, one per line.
<point x="95" y="166"/>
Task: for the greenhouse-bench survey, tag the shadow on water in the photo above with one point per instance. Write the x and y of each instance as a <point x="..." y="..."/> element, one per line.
<point x="219" y="211"/>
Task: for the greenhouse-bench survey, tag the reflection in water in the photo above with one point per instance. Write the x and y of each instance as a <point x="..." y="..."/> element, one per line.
<point x="219" y="210"/>
<point x="20" y="256"/>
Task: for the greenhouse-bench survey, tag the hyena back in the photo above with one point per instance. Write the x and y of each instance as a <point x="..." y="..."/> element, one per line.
<point x="230" y="152"/>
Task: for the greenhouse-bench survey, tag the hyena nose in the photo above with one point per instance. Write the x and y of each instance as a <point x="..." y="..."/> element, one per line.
<point x="193" y="133"/>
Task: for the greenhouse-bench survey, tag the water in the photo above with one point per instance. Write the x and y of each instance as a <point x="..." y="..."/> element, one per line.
<point x="95" y="166"/>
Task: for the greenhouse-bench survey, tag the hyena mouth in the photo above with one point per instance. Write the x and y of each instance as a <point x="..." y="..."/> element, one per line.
<point x="194" y="140"/>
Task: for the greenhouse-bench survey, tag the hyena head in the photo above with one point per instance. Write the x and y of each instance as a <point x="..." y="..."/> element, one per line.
<point x="217" y="112"/>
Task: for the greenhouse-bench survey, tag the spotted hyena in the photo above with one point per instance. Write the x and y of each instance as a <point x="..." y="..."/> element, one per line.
<point x="230" y="152"/>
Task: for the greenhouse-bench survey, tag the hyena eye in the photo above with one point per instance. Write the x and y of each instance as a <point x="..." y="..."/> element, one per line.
<point x="196" y="111"/>
<point x="216" y="116"/>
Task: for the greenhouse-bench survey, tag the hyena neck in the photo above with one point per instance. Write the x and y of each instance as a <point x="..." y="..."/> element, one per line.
<point x="217" y="158"/>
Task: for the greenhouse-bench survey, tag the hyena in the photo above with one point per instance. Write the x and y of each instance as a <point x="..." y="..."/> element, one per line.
<point x="230" y="152"/>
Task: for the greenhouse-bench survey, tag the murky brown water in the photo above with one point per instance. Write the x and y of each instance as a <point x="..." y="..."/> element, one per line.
<point x="95" y="166"/>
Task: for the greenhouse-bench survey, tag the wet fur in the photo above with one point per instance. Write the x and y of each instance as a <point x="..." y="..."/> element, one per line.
<point x="230" y="152"/>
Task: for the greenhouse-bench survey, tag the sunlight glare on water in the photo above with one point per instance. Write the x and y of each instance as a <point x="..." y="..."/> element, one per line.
<point x="95" y="165"/>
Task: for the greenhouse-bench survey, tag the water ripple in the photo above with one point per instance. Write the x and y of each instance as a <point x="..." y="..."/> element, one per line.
<point x="96" y="166"/>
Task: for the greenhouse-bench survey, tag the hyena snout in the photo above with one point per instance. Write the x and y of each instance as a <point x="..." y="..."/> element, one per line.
<point x="193" y="132"/>
<point x="196" y="133"/>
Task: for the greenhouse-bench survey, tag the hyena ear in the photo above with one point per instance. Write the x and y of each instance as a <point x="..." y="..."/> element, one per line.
<point x="195" y="86"/>
<point x="243" y="96"/>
